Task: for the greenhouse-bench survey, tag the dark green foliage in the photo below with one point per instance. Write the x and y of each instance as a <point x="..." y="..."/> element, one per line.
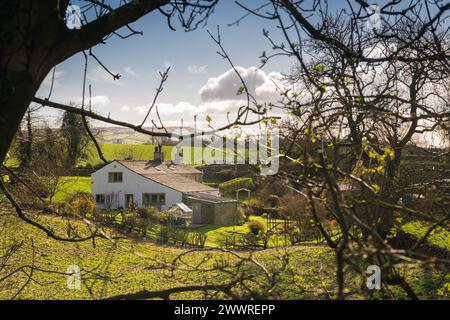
<point x="75" y="137"/>
<point x="230" y="187"/>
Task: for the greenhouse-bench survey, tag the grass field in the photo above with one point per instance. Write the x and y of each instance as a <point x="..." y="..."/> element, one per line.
<point x="109" y="268"/>
<point x="142" y="152"/>
<point x="126" y="264"/>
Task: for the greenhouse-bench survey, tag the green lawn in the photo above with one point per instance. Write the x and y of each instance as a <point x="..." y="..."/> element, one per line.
<point x="126" y="265"/>
<point x="215" y="234"/>
<point x="70" y="186"/>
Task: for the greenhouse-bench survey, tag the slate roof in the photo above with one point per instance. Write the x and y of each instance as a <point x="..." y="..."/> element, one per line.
<point x="168" y="174"/>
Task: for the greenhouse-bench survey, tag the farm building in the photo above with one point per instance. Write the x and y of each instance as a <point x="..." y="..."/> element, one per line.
<point x="161" y="184"/>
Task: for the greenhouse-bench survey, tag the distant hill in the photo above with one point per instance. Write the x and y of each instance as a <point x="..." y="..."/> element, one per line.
<point x="119" y="135"/>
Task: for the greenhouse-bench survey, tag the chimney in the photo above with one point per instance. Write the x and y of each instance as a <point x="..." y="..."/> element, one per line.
<point x="158" y="155"/>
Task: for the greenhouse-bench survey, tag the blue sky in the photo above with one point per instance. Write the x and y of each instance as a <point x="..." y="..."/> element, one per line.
<point x="193" y="60"/>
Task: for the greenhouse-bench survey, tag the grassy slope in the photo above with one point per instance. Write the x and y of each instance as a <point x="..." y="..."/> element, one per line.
<point x="310" y="269"/>
<point x="129" y="271"/>
<point x="136" y="152"/>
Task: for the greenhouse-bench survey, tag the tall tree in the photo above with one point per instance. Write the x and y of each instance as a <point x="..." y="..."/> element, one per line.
<point x="75" y="137"/>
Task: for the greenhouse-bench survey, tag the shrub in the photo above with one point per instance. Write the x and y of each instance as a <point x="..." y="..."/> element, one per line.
<point x="230" y="187"/>
<point x="273" y="200"/>
<point x="143" y="225"/>
<point x="147" y="212"/>
<point x="82" y="203"/>
<point x="256" y="227"/>
<point x="163" y="234"/>
<point x="227" y="240"/>
<point x="248" y="241"/>
<point x="107" y="217"/>
<point x="274" y="187"/>
<point x="253" y="207"/>
<point x="294" y="207"/>
<point x="152" y="214"/>
<point x="197" y="239"/>
<point x="130" y="222"/>
<point x="295" y="236"/>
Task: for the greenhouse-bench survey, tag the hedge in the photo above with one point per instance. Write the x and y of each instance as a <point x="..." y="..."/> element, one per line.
<point x="231" y="186"/>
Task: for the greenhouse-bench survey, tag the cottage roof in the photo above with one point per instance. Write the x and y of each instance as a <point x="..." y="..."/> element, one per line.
<point x="168" y="174"/>
<point x="158" y="167"/>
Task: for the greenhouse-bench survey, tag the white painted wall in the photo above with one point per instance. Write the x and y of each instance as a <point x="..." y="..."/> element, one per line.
<point x="132" y="183"/>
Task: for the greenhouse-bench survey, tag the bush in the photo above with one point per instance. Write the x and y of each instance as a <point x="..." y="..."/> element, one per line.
<point x="295" y="236"/>
<point x="130" y="222"/>
<point x="274" y="187"/>
<point x="82" y="203"/>
<point x="197" y="239"/>
<point x="256" y="227"/>
<point x="230" y="187"/>
<point x="143" y="225"/>
<point x="294" y="207"/>
<point x="253" y="207"/>
<point x="152" y="214"/>
<point x="178" y="237"/>
<point x="163" y="234"/>
<point x="227" y="240"/>
<point x="273" y="200"/>
<point x="107" y="217"/>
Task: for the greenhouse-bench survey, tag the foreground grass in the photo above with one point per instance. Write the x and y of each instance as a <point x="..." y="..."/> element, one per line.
<point x="110" y="269"/>
<point x="125" y="267"/>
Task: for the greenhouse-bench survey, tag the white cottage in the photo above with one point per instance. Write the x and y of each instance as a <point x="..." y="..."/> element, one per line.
<point x="160" y="184"/>
<point x="145" y="183"/>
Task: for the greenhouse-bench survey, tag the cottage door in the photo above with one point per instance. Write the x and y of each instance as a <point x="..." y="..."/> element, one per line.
<point x="129" y="200"/>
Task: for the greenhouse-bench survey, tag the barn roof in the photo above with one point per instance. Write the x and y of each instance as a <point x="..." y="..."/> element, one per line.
<point x="168" y="174"/>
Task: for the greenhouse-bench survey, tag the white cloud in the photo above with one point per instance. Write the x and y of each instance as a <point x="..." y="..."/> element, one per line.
<point x="224" y="87"/>
<point x="197" y="69"/>
<point x="130" y="71"/>
<point x="172" y="113"/>
<point x="96" y="101"/>
<point x="218" y="99"/>
<point x="100" y="101"/>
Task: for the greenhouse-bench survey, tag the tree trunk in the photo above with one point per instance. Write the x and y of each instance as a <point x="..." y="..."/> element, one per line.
<point x="13" y="109"/>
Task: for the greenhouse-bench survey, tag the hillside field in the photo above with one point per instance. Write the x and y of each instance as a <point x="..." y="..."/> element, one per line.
<point x="123" y="267"/>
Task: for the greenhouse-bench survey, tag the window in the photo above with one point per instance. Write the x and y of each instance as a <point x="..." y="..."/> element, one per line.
<point x="162" y="198"/>
<point x="115" y="177"/>
<point x="100" y="198"/>
<point x="155" y="199"/>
